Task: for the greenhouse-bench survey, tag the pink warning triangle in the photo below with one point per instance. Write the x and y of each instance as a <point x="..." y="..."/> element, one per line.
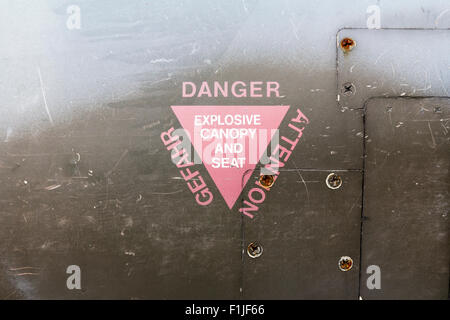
<point x="230" y="140"/>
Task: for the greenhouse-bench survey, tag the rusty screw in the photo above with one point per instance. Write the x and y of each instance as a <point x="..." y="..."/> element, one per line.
<point x="333" y="181"/>
<point x="347" y="44"/>
<point x="254" y="250"/>
<point x="266" y="180"/>
<point x="345" y="263"/>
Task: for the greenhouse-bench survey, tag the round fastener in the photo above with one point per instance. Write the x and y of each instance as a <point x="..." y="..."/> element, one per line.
<point x="333" y="181"/>
<point x="254" y="250"/>
<point x="348" y="89"/>
<point x="266" y="180"/>
<point x="347" y="44"/>
<point x="345" y="263"/>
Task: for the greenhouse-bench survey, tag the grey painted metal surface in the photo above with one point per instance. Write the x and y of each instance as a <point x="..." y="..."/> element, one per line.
<point x="391" y="63"/>
<point x="85" y="179"/>
<point x="303" y="239"/>
<point x="406" y="192"/>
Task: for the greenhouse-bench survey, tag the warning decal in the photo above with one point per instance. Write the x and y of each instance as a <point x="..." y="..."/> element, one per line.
<point x="230" y="140"/>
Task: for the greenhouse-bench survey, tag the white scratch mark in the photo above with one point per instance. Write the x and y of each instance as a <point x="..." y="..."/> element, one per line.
<point x="151" y="125"/>
<point x="53" y="187"/>
<point x="303" y="181"/>
<point x="440" y="79"/>
<point x="445" y="128"/>
<point x="294" y="29"/>
<point x="22" y="268"/>
<point x="432" y="136"/>
<point x="378" y="58"/>
<point x="425" y="88"/>
<point x="165" y="193"/>
<point x="161" y="60"/>
<point x="393" y="71"/>
<point x="440" y="16"/>
<point x="245" y="7"/>
<point x="8" y="134"/>
<point x="124" y="153"/>
<point x="43" y="95"/>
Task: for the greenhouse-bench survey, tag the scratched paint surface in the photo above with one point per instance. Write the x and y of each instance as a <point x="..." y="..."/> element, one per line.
<point x="85" y="179"/>
<point x="393" y="69"/>
<point x="413" y="148"/>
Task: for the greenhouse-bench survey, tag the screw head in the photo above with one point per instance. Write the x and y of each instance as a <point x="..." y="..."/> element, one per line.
<point x="254" y="250"/>
<point x="437" y="109"/>
<point x="266" y="180"/>
<point x="347" y="44"/>
<point x="333" y="181"/>
<point x="345" y="263"/>
<point x="348" y="89"/>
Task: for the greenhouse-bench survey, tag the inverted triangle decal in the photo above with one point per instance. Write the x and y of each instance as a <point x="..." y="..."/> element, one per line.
<point x="230" y="140"/>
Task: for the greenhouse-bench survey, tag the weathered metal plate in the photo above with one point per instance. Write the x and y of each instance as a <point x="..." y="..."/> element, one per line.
<point x="85" y="179"/>
<point x="304" y="228"/>
<point x="406" y="193"/>
<point x="392" y="62"/>
<point x="95" y="196"/>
